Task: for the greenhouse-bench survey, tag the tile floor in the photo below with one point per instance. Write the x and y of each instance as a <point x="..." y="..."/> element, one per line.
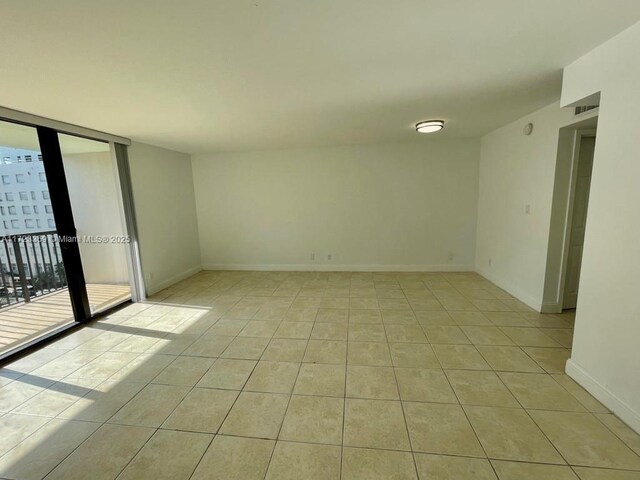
<point x="252" y="375"/>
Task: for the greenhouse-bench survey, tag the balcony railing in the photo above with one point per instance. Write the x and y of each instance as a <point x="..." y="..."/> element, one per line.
<point x="30" y="266"/>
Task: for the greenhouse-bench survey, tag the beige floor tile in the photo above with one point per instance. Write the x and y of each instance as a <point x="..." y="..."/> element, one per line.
<point x="105" y="365"/>
<point x="405" y="333"/>
<point x="455" y="304"/>
<point x="321" y="379"/>
<point x="256" y="415"/>
<point x="424" y="385"/>
<point x="540" y="391"/>
<point x="445" y="334"/>
<point x="441" y="428"/>
<point x="481" y="335"/>
<point x="91" y="460"/>
<point x="480" y="388"/>
<point x="151" y="406"/>
<point x="588" y="473"/>
<point x="366" y="317"/>
<point x="583" y="440"/>
<point x="368" y="353"/>
<point x="366" y="333"/>
<point x="490" y="305"/>
<point x="301" y="314"/>
<point x="426" y="304"/>
<point x="102" y="402"/>
<point x="259" y="328"/>
<point x="326" y="351"/>
<point x="17" y="427"/>
<point x="510" y="434"/>
<point x="545" y="320"/>
<point x="507" y="319"/>
<point x="529" y="337"/>
<point x="329" y="331"/>
<point x="363" y="463"/>
<point x="393" y="304"/>
<point x="202" y="410"/>
<point x="333" y="315"/>
<point x="375" y="424"/>
<point x="531" y="471"/>
<point x="301" y="330"/>
<point x="227" y="374"/>
<point x="563" y="336"/>
<point x="464" y="357"/>
<point x="441" y="467"/>
<point x="432" y="318"/>
<point x="185" y="371"/>
<point x="509" y="359"/>
<point x="208" y="346"/>
<point x="552" y="360"/>
<point x="168" y="455"/>
<point x="419" y="355"/>
<point x="235" y="458"/>
<point x="40" y="452"/>
<point x="58" y="397"/>
<point x="273" y="377"/>
<point x="371" y="382"/>
<point x="363" y="304"/>
<point x="314" y="420"/>
<point x="245" y="348"/>
<point x="294" y="461"/>
<point x="285" y="350"/>
<point x="623" y="432"/>
<point x="227" y="328"/>
<point x="470" y="318"/>
<point x="584" y="397"/>
<point x="398" y="317"/>
<point x="335" y="303"/>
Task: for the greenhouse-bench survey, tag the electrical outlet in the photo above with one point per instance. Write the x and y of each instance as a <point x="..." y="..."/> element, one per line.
<point x="329" y="257"/>
<point x="313" y="256"/>
<point x="527" y="209"/>
<point x="450" y="256"/>
<point x="489" y="262"/>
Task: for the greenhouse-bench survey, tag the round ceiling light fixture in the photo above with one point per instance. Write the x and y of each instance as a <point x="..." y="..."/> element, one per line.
<point x="430" y="126"/>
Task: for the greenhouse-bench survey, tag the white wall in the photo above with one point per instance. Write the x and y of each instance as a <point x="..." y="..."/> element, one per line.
<point x="165" y="211"/>
<point x="94" y="199"/>
<point x="389" y="206"/>
<point x="517" y="170"/>
<point x="606" y="348"/>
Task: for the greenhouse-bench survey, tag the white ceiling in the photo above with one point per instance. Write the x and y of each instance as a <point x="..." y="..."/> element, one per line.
<point x="214" y="75"/>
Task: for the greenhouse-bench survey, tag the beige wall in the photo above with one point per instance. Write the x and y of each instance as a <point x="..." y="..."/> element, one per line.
<point x="377" y="207"/>
<point x="165" y="209"/>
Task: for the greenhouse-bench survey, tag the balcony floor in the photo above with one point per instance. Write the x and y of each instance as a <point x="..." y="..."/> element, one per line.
<point x="22" y="322"/>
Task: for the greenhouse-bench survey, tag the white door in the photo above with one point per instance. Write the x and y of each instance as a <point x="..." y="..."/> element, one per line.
<point x="578" y="221"/>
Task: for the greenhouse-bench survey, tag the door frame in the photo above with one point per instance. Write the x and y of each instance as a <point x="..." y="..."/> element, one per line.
<point x="575" y="156"/>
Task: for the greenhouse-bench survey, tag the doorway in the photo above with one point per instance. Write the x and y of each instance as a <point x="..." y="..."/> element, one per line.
<point x="579" y="204"/>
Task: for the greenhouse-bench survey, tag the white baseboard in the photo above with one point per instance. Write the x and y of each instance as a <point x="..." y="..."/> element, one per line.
<point x="627" y="414"/>
<point x="341" y="268"/>
<point x="156" y="287"/>
<point x="523" y="297"/>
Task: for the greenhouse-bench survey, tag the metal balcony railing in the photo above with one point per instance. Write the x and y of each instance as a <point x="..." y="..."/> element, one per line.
<point x="30" y="266"/>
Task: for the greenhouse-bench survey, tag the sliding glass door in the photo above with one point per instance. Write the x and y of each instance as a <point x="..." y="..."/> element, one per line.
<point x="64" y="254"/>
<point x="34" y="294"/>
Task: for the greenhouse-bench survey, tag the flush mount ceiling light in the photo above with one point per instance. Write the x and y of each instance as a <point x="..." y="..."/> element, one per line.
<point x="430" y="126"/>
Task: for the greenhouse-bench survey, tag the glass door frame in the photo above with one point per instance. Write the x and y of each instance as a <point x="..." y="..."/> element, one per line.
<point x="52" y="159"/>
